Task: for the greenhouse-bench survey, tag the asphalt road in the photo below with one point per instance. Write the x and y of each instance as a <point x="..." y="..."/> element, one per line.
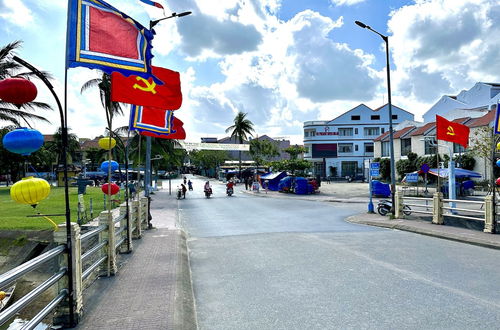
<point x="276" y="263"/>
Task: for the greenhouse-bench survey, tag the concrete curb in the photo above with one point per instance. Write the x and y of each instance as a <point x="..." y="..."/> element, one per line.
<point x="295" y="197"/>
<point x="404" y="226"/>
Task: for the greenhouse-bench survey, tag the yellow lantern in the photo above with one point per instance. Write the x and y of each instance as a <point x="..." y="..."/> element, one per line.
<point x="107" y="143"/>
<point x="498" y="146"/>
<point x="30" y="190"/>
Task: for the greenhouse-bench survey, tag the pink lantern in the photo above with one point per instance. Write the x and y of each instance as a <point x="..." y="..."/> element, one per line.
<point x="114" y="188"/>
<point x="17" y="90"/>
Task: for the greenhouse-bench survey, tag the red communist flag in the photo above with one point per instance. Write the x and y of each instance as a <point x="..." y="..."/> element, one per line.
<point x="452" y="132"/>
<point x="139" y="91"/>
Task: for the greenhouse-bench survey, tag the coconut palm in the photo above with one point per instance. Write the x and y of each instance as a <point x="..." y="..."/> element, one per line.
<point x="241" y="130"/>
<point x="55" y="145"/>
<point x="10" y="69"/>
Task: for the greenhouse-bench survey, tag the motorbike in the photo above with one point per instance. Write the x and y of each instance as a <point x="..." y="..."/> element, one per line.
<point x="229" y="191"/>
<point x="179" y="192"/>
<point x="190" y="185"/>
<point x="208" y="192"/>
<point x="384" y="207"/>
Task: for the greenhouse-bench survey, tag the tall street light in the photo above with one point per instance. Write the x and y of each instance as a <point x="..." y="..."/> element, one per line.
<point x="391" y="134"/>
<point x="147" y="173"/>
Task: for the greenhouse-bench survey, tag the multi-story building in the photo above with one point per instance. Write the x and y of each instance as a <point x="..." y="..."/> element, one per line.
<point x="338" y="147"/>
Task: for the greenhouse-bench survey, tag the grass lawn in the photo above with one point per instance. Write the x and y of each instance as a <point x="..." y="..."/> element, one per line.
<point x="13" y="215"/>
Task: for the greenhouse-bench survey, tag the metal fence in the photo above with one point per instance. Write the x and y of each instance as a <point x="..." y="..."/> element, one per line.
<point x="91" y="257"/>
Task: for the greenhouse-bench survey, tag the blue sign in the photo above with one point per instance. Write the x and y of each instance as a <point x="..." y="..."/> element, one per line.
<point x="375" y="166"/>
<point x="411" y="177"/>
<point x="375" y="172"/>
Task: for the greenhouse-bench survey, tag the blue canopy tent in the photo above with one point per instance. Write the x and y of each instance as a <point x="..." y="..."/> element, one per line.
<point x="273" y="179"/>
<point x="459" y="173"/>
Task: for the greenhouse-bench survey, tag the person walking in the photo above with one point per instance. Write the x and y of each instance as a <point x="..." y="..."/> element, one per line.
<point x="184" y="189"/>
<point x="246" y="183"/>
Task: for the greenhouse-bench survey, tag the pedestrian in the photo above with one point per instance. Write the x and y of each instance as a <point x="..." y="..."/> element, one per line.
<point x="246" y="183"/>
<point x="183" y="190"/>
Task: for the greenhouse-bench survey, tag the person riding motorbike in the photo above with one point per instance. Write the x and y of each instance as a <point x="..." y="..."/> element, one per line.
<point x="207" y="188"/>
<point x="229" y="188"/>
<point x="185" y="180"/>
<point x="190" y="185"/>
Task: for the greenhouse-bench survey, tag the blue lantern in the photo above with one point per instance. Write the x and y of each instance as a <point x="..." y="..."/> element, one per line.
<point x="23" y="141"/>
<point x="498" y="162"/>
<point x="104" y="166"/>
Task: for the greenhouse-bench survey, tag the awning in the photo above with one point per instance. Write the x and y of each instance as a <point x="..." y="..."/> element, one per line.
<point x="459" y="173"/>
<point x="270" y="176"/>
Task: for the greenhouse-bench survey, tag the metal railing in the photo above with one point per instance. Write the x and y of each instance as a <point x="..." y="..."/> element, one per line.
<point x="453" y="210"/>
<point x="87" y="261"/>
<point x="425" y="206"/>
<point x="11" y="276"/>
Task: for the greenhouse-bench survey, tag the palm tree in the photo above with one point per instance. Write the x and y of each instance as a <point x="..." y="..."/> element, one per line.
<point x="241" y="129"/>
<point x="10" y="69"/>
<point x="55" y="145"/>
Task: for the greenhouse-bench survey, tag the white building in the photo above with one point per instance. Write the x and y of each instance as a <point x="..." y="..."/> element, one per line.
<point x="338" y="147"/>
<point x="473" y="103"/>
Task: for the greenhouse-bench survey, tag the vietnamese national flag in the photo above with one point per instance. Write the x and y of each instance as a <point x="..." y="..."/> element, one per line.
<point x="452" y="132"/>
<point x="139" y="91"/>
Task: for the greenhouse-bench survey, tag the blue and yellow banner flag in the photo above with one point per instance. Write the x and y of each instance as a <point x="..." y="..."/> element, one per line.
<point x="152" y="120"/>
<point x="101" y="37"/>
<point x="497" y="119"/>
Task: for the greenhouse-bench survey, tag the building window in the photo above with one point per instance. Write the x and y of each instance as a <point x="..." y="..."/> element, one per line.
<point x="394" y="116"/>
<point x="429" y="148"/>
<point x="306" y="134"/>
<point x="368" y="148"/>
<point x="356" y="131"/>
<point x="309" y="132"/>
<point x="375" y="117"/>
<point x="345" y="131"/>
<point x="355" y="117"/>
<point x="371" y="131"/>
<point x="345" y="147"/>
<point x="382" y="130"/>
<point x="385" y="149"/>
<point x="458" y="148"/>
<point x="355" y="147"/>
<point x="405" y="146"/>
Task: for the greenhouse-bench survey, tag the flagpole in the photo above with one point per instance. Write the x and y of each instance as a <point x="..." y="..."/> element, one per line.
<point x="64" y="129"/>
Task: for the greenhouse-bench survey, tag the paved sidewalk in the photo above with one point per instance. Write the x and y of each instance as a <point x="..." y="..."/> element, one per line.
<point x="354" y="193"/>
<point x="152" y="289"/>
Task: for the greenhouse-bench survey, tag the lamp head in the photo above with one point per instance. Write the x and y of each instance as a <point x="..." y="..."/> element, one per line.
<point x="361" y="24"/>
<point x="184" y="14"/>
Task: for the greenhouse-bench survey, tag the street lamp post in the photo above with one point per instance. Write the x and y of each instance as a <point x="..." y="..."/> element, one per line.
<point x="391" y="134"/>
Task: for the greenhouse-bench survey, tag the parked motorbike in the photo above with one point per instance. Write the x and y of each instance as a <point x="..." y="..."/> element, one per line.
<point x="208" y="192"/>
<point x="384" y="207"/>
<point x="229" y="191"/>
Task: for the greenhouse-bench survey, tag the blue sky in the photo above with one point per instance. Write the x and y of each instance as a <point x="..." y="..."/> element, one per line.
<point x="281" y="61"/>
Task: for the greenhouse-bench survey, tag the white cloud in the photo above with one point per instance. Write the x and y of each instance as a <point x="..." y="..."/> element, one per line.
<point x="346" y="2"/>
<point x="443" y="46"/>
<point x="16" y="12"/>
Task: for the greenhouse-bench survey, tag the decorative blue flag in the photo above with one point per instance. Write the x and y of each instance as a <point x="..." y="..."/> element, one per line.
<point x="152" y="3"/>
<point x="101" y="37"/>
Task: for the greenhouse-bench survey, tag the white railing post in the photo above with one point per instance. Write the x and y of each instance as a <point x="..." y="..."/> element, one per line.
<point x="136" y="219"/>
<point x="106" y="219"/>
<point x="62" y="312"/>
<point x="399" y="205"/>
<point x="489" y="215"/>
<point x="144" y="213"/>
<point x="437" y="208"/>
<point x="126" y="246"/>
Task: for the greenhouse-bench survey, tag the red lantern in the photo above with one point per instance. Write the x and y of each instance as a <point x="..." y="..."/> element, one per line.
<point x="114" y="188"/>
<point x="497" y="181"/>
<point x="17" y="90"/>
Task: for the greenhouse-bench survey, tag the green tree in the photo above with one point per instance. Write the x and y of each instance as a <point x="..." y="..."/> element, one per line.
<point x="241" y="129"/>
<point x="55" y="146"/>
<point x="208" y="159"/>
<point x="262" y="150"/>
<point x="95" y="156"/>
<point x="295" y="151"/>
<point x="10" y="69"/>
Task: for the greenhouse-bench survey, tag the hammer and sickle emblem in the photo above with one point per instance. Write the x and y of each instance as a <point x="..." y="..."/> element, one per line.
<point x="149" y="87"/>
<point x="450" y="131"/>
